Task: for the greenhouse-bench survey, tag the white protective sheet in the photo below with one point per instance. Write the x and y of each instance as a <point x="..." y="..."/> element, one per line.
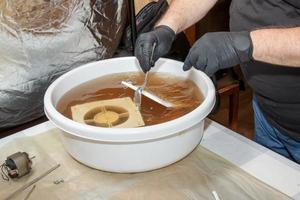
<point x="194" y="177"/>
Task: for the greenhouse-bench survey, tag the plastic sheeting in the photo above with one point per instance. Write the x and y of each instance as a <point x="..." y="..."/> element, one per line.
<point x="194" y="177"/>
<point x="42" y="39"/>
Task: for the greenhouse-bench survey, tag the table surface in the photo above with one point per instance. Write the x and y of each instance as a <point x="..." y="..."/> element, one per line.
<point x="260" y="162"/>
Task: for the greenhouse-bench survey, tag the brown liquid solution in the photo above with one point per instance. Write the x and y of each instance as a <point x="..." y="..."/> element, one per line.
<point x="183" y="93"/>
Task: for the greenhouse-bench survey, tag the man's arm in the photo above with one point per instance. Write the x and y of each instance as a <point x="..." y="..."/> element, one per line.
<point x="277" y="46"/>
<point x="184" y="13"/>
<point x="151" y="46"/>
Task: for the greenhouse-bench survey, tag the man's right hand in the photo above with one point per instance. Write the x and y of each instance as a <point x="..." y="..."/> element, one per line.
<point x="150" y="46"/>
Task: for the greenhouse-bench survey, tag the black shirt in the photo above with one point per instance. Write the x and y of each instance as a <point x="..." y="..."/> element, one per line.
<point x="277" y="88"/>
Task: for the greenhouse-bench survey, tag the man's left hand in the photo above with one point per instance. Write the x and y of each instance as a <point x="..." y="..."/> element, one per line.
<point x="219" y="50"/>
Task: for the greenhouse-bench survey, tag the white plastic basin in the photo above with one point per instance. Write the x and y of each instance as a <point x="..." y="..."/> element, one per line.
<point x="129" y="149"/>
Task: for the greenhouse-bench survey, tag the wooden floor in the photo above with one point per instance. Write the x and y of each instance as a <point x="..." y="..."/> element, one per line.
<point x="245" y="122"/>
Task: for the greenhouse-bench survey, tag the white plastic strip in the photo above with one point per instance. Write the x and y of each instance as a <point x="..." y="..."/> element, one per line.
<point x="149" y="95"/>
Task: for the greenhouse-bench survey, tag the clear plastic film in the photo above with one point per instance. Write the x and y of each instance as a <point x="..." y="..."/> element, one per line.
<point x="194" y="177"/>
<point x="42" y="39"/>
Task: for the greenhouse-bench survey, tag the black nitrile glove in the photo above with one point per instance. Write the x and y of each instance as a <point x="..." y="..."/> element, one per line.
<point x="157" y="42"/>
<point x="219" y="50"/>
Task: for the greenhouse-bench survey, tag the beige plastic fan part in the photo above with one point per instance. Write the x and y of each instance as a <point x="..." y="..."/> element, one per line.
<point x="118" y="113"/>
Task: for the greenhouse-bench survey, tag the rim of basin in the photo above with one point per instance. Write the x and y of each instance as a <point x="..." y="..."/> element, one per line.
<point x="152" y="132"/>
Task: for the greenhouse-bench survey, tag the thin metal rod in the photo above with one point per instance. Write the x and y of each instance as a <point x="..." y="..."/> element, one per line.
<point x="29" y="193"/>
<point x="216" y="196"/>
<point x="31" y="182"/>
<point x="132" y="22"/>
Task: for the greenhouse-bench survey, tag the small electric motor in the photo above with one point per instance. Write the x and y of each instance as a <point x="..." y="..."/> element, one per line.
<point x="17" y="165"/>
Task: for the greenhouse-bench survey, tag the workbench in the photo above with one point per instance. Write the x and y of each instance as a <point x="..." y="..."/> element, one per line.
<point x="265" y="165"/>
